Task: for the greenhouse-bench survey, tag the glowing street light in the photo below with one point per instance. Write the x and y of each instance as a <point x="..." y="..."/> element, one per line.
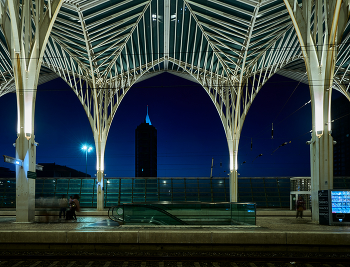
<point x="86" y="149"/>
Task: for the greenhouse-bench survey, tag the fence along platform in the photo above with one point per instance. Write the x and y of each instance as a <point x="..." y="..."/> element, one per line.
<point x="264" y="191"/>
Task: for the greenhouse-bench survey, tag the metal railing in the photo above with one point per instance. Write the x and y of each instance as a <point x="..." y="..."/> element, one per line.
<point x="184" y="213"/>
<point x="265" y="191"/>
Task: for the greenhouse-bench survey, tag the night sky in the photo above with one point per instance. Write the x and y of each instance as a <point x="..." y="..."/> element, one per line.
<point x="189" y="129"/>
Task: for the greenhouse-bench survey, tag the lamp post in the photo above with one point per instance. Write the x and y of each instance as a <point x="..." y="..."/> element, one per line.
<point x="86" y="149"/>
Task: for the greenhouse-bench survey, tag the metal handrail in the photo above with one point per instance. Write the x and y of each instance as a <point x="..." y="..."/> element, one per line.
<point x="149" y="206"/>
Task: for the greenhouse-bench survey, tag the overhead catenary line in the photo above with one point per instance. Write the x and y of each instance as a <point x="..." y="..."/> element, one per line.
<point x="258" y="156"/>
<point x="290" y="96"/>
<point x="272" y="131"/>
<point x="291" y="115"/>
<point x="283" y="144"/>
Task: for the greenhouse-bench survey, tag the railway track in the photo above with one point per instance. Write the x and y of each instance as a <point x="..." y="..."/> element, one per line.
<point x="31" y="260"/>
<point x="164" y="263"/>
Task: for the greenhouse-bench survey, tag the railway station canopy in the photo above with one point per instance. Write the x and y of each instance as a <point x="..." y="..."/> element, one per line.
<point x="212" y="42"/>
<point x="100" y="48"/>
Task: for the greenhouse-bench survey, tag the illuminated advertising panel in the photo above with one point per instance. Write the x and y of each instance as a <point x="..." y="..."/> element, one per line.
<point x="340" y="201"/>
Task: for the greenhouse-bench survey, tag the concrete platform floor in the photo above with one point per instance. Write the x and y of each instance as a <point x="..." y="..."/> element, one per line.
<point x="275" y="230"/>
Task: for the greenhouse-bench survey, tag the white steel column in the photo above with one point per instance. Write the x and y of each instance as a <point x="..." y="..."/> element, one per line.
<point x="27" y="44"/>
<point x="25" y="143"/>
<point x="238" y="118"/>
<point x="166" y="32"/>
<point x="320" y="52"/>
<point x="95" y="121"/>
<point x="106" y="92"/>
<point x="233" y="150"/>
<point x="100" y="153"/>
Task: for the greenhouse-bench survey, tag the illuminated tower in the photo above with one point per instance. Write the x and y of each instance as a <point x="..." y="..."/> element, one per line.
<point x="146" y="149"/>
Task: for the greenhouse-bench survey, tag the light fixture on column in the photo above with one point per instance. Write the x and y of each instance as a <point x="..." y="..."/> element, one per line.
<point x="86" y="149"/>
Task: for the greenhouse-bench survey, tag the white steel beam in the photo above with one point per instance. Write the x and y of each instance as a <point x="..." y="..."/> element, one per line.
<point x="166" y="32"/>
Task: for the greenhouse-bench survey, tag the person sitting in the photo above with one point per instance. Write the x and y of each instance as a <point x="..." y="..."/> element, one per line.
<point x="73" y="206"/>
<point x="63" y="203"/>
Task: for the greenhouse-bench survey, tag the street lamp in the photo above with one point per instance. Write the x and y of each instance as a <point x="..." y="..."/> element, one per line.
<point x="86" y="149"/>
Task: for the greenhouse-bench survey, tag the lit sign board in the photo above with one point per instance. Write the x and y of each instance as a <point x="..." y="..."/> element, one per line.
<point x="340" y="201"/>
<point x="12" y="160"/>
<point x="19" y="162"/>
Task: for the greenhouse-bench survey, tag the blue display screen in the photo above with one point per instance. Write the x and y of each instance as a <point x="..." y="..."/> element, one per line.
<point x="340" y="201"/>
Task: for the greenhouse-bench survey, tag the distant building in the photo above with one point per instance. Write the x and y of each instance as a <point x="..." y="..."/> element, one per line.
<point x="54" y="170"/>
<point x="7" y="173"/>
<point x="146" y="149"/>
<point x="341" y="134"/>
<point x="50" y="170"/>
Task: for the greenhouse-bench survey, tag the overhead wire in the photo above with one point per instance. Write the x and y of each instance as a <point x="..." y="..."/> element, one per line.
<point x="289" y="98"/>
<point x="284" y="143"/>
<point x="272" y="131"/>
<point x="247" y="137"/>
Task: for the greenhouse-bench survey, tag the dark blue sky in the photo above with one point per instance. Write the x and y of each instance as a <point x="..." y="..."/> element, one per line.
<point x="189" y="130"/>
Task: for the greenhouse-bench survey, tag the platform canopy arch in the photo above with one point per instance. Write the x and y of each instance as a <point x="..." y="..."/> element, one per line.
<point x="231" y="47"/>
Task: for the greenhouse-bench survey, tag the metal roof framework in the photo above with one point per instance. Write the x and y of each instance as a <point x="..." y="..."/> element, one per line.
<point x="231" y="48"/>
<point x="102" y="47"/>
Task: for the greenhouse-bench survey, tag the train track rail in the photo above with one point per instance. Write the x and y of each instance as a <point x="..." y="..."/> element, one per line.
<point x="164" y="263"/>
<point x="257" y="259"/>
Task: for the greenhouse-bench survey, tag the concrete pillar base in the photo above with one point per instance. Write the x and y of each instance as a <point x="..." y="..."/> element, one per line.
<point x="25" y="188"/>
<point x="321" y="152"/>
<point x="100" y="190"/>
<point x="233" y="186"/>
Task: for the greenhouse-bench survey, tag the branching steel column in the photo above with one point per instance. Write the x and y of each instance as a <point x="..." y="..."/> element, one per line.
<point x="27" y="40"/>
<point x="102" y="98"/>
<point x="320" y="52"/>
<point x="233" y="142"/>
<point x="96" y="123"/>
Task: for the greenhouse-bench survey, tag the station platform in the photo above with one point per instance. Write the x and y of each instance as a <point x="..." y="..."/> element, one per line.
<point x="276" y="230"/>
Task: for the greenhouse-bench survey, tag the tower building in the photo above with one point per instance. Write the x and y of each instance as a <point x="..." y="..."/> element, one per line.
<point x="146" y="149"/>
